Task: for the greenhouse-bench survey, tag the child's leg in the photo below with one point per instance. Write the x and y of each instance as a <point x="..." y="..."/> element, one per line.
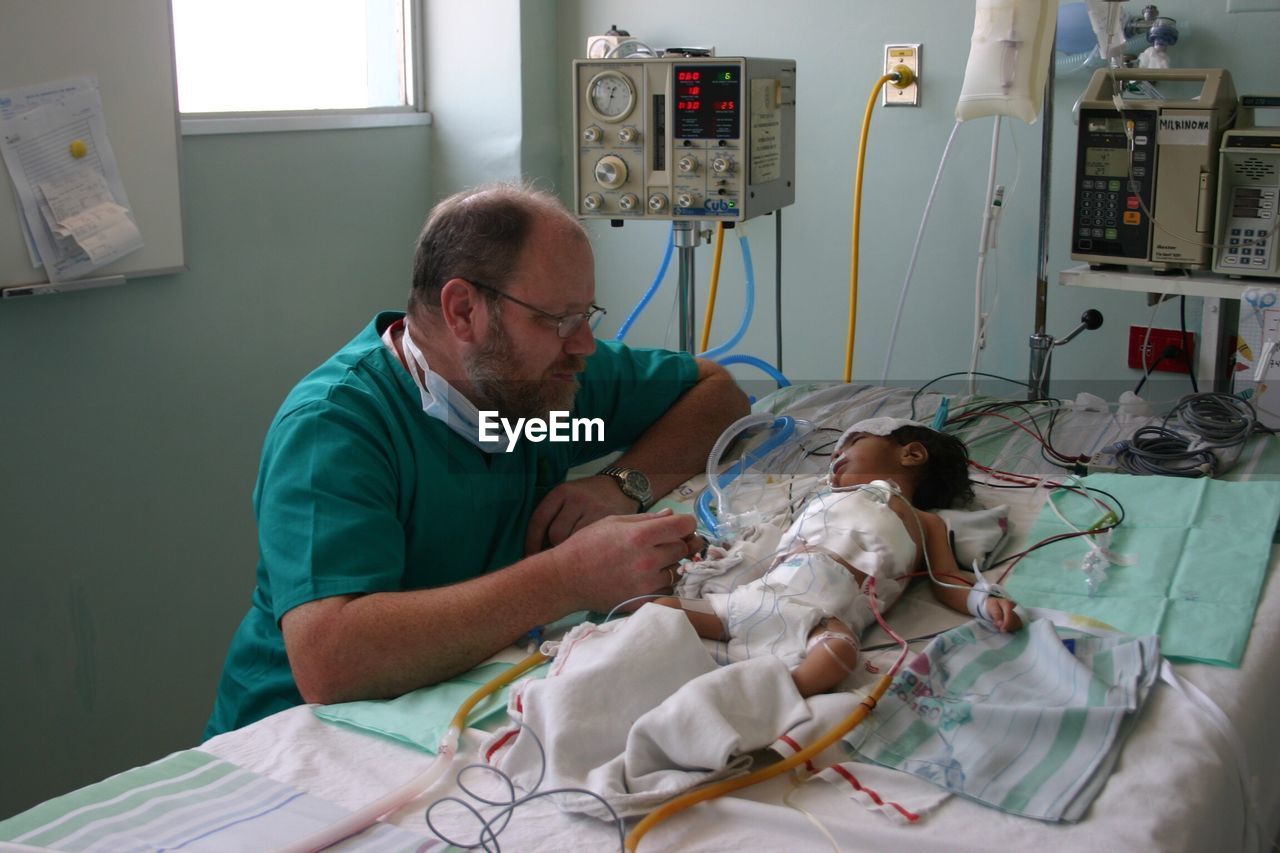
<point x="704" y="622"/>
<point x="830" y="657"/>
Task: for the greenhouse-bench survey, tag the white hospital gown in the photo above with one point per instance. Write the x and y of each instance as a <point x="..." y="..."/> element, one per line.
<point x="776" y="613"/>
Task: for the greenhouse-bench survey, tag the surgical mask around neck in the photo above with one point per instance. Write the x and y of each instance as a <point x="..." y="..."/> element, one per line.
<point x="442" y="401"/>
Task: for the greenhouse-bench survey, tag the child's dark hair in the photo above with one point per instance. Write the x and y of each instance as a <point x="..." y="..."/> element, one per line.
<point x="946" y="479"/>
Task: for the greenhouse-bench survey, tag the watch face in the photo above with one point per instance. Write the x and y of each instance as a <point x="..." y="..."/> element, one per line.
<point x="637" y="485"/>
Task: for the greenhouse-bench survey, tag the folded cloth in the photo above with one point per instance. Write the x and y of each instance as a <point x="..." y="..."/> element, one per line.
<point x="898" y="796"/>
<point x="1200" y="556"/>
<point x="1029" y="722"/>
<point x="637" y="711"/>
<point x="749" y="557"/>
<point x="421" y="717"/>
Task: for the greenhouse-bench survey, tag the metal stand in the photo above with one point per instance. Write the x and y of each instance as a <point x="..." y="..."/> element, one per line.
<point x="685" y="237"/>
<point x="1041" y="342"/>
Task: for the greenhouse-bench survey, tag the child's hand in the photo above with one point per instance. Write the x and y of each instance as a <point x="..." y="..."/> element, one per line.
<point x="1002" y="614"/>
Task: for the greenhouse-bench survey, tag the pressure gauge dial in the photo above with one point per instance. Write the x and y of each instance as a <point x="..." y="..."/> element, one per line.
<point x="611" y="96"/>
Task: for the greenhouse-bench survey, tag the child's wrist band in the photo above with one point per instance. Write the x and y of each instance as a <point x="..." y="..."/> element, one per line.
<point x="977" y="604"/>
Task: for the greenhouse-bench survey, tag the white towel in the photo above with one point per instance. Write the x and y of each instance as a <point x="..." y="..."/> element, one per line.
<point x="638" y="712"/>
<point x="749" y="557"/>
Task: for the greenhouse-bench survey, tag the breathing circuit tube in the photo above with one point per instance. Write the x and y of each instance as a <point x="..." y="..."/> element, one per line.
<point x="653" y="288"/>
<point x="715" y="352"/>
<point x="774" y="373"/>
<point x="368" y="815"/>
<point x="783" y="428"/>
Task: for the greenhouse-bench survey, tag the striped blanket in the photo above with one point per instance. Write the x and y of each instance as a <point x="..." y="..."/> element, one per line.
<point x="1030" y="722"/>
<point x="190" y="801"/>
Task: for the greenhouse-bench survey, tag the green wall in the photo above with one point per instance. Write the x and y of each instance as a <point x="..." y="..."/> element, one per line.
<point x="838" y="46"/>
<point x="131" y="419"/>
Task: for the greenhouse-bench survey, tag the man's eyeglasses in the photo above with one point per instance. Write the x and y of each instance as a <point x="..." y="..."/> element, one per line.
<point x="566" y="324"/>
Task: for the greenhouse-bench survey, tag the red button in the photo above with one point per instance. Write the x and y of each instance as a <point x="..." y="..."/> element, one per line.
<point x="1133" y="202"/>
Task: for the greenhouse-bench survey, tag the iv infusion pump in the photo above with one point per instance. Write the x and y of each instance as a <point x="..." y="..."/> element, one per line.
<point x="1146" y="174"/>
<point x="684" y="138"/>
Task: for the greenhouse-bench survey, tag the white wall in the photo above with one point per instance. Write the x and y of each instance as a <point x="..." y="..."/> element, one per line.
<point x="838" y="47"/>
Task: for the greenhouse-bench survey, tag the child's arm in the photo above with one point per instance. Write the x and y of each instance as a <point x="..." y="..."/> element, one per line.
<point x="945" y="568"/>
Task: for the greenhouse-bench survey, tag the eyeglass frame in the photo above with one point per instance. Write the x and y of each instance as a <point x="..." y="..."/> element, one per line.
<point x="560" y="319"/>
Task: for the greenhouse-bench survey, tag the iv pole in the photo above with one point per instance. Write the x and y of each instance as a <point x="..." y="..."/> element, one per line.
<point x="1041" y="342"/>
<point x="685" y="237"/>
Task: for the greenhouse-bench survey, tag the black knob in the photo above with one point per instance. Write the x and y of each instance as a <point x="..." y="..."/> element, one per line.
<point x="1092" y="319"/>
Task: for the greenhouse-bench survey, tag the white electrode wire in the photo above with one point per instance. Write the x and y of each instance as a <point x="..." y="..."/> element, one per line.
<point x="360" y="820"/>
<point x="988" y="204"/>
<point x="915" y="252"/>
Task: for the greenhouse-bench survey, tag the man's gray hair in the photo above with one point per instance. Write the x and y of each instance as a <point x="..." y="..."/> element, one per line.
<point x="477" y="234"/>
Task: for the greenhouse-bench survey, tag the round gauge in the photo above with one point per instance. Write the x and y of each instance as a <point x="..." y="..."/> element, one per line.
<point x="611" y="96"/>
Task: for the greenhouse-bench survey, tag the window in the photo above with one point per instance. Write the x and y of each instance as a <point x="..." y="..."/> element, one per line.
<point x="330" y="63"/>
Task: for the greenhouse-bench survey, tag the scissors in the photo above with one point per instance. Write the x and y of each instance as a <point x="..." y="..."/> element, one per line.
<point x="1260" y="299"/>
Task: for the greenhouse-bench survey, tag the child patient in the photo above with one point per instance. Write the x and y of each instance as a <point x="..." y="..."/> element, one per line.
<point x="812" y="605"/>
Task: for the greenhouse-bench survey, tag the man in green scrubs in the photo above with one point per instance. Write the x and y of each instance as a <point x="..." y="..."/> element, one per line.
<point x="400" y="543"/>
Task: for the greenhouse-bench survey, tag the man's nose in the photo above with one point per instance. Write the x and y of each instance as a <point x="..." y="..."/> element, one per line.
<point x="581" y="342"/>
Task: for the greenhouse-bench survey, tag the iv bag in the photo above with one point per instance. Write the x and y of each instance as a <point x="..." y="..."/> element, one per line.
<point x="1008" y="59"/>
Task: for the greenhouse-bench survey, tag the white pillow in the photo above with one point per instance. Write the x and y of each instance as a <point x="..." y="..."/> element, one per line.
<point x="976" y="534"/>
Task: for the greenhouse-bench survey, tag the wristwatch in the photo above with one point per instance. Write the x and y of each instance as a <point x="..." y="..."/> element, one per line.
<point x="634" y="484"/>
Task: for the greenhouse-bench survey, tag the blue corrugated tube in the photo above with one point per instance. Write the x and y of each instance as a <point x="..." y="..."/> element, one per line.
<point x="653" y="288"/>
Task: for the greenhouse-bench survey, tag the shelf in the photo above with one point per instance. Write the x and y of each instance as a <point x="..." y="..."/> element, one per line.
<point x="1181" y="284"/>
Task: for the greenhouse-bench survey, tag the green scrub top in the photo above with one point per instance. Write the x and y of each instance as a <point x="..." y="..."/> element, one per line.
<point x="359" y="491"/>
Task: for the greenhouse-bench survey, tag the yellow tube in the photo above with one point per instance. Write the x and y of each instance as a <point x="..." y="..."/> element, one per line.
<point x="711" y="295"/>
<point x="857" y="224"/>
<point x="712" y="791"/>
<point x="500" y="680"/>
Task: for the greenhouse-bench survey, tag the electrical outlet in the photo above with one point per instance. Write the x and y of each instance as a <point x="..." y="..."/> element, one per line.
<point x="895" y="55"/>
<point x="1161" y="339"/>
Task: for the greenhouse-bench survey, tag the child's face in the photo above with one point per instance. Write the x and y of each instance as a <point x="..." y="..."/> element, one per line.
<point x="864" y="458"/>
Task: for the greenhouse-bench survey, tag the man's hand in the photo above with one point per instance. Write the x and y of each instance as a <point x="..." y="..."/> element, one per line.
<point x="572" y="506"/>
<point x="624" y="556"/>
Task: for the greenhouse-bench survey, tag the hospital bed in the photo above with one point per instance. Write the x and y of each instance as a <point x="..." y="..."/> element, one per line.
<point x="1176" y="786"/>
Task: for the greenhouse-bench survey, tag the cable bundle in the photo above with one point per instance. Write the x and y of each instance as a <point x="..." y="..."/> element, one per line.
<point x="1213" y="424"/>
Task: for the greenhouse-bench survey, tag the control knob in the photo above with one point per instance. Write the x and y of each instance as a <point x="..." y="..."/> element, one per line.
<point x="611" y="171"/>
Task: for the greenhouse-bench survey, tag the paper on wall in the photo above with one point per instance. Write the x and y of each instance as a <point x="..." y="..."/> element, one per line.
<point x="36" y="147"/>
<point x="17" y="101"/>
<point x="78" y="206"/>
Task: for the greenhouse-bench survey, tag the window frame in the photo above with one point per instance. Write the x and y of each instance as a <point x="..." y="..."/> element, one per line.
<point x="275" y="121"/>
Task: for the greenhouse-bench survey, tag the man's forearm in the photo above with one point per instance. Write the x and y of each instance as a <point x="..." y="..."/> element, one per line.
<point x="675" y="448"/>
<point x="386" y="644"/>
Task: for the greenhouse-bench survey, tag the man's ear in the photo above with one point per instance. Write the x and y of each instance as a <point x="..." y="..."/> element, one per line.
<point x="460" y="308"/>
<point x="914" y="453"/>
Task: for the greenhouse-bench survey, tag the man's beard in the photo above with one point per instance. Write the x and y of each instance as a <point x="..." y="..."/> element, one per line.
<point x="489" y="371"/>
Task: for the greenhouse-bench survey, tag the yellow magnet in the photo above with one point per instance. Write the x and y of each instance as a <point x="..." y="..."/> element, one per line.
<point x="79" y="149"/>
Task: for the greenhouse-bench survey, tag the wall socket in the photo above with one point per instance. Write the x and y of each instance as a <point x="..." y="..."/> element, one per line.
<point x="1159" y="340"/>
<point x="901" y="54"/>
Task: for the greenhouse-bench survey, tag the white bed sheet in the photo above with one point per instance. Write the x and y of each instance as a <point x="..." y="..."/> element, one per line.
<point x="1174" y="787"/>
